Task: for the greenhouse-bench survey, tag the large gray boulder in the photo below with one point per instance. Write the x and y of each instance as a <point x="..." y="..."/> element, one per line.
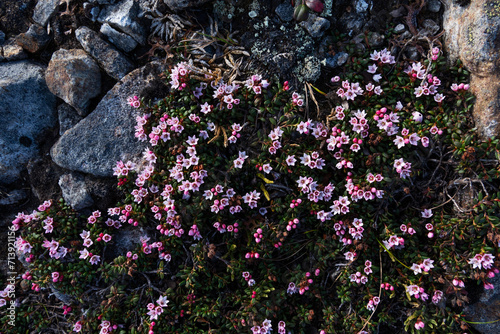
<point x="111" y="60"/>
<point x="106" y="135"/>
<point x="74" y="76"/>
<point x="28" y="109"/>
<point x="472" y="32"/>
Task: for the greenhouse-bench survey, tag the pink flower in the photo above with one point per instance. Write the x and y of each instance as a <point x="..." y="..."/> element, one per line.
<point x="419" y="324"/>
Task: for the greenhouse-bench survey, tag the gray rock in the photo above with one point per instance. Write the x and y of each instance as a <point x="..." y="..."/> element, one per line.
<point x="352" y="23"/>
<point x="74" y="76"/>
<point x="110" y="59"/>
<point x="92" y="10"/>
<point x="337" y="60"/>
<point x="362" y="6"/>
<point x="412" y="53"/>
<point x="376" y="39"/>
<point x="486" y="309"/>
<point x="125" y="17"/>
<point x="13" y="197"/>
<point x="11" y="51"/>
<point x="44" y="175"/>
<point x="285" y="12"/>
<point x="74" y="191"/>
<point x="44" y="9"/>
<point x="433" y="6"/>
<point x="311" y="70"/>
<point x="183" y="4"/>
<point x="430" y="26"/>
<point x="28" y="109"/>
<point x="122" y="41"/>
<point x="2" y="37"/>
<point x="399" y="28"/>
<point x="315" y="25"/>
<point x="471" y="34"/>
<point x="106" y="135"/>
<point x="34" y="39"/>
<point x="68" y="117"/>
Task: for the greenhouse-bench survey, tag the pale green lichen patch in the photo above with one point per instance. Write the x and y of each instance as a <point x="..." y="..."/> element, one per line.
<point x="492" y="9"/>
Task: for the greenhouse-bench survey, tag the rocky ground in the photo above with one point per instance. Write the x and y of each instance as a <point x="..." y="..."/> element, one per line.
<point x="67" y="67"/>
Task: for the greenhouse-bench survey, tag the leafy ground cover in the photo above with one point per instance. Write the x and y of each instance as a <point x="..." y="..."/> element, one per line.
<point x="364" y="206"/>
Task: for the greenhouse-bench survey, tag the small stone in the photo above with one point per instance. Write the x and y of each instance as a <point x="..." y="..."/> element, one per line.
<point x="34" y="39"/>
<point x="122" y="41"/>
<point x="285" y="12"/>
<point x="74" y="191"/>
<point x="73" y="76"/>
<point x="399" y="28"/>
<point x="68" y="117"/>
<point x="412" y="53"/>
<point x="430" y="26"/>
<point x="125" y="17"/>
<point x="253" y="14"/>
<point x="12" y="51"/>
<point x="337" y="60"/>
<point x="433" y="6"/>
<point x="376" y="39"/>
<point x="13" y="197"/>
<point x="315" y="25"/>
<point x="362" y="6"/>
<point x="44" y="10"/>
<point x="110" y="59"/>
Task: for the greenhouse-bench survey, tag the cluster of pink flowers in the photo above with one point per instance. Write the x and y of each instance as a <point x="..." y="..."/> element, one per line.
<point x="248" y="278"/>
<point x="405" y="229"/>
<point x="238" y="162"/>
<point x="140" y="134"/>
<point x="122" y="169"/>
<point x="56" y="277"/>
<point x="275" y="136"/>
<point x="235" y="133"/>
<point x="418" y="292"/>
<point x="297" y="99"/>
<point x="394" y="241"/>
<point x="48" y="224"/>
<point x="350" y="91"/>
<point x="359" y="125"/>
<point x="437" y="296"/>
<point x="93" y="217"/>
<point x="459" y="87"/>
<point x="383" y="57"/>
<point x="134" y="101"/>
<point x="256" y="83"/>
<point x="55" y="251"/>
<point x="357" y="230"/>
<point x="312" y="161"/>
<point x="406" y="138"/>
<point x="155" y="310"/>
<point x="225" y="94"/>
<point x="194" y="232"/>
<point x="425" y="265"/>
<point x="179" y="75"/>
<point x="435" y="53"/>
<point x="292" y="224"/>
<point x="372" y="303"/>
<point x="221" y="228"/>
<point x="358" y="278"/>
<point x="402" y="167"/>
<point x="251" y="198"/>
<point x="265" y="328"/>
<point x="482" y="260"/>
